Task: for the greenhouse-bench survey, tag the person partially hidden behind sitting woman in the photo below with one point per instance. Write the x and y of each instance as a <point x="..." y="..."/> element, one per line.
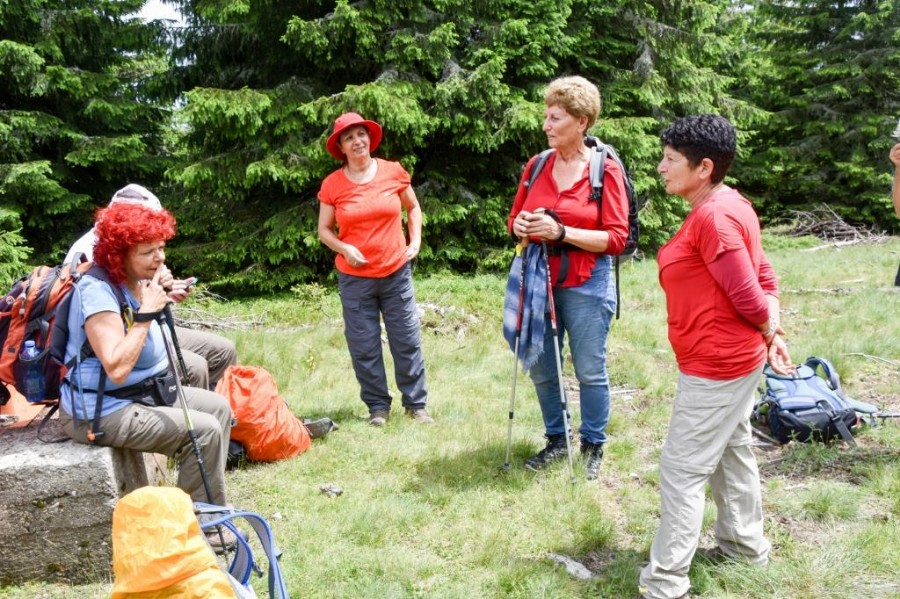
<point x="128" y="358"/>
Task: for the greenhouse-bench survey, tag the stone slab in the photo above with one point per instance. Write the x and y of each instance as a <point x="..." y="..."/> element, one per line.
<point x="56" y="504"/>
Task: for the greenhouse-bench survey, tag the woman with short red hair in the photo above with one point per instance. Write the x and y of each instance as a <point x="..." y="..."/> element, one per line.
<point x="119" y="390"/>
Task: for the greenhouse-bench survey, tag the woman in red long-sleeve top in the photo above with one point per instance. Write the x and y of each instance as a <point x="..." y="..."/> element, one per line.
<point x="582" y="235"/>
<point x="722" y="308"/>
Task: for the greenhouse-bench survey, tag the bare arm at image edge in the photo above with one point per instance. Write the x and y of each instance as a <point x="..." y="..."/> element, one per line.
<point x="895" y="192"/>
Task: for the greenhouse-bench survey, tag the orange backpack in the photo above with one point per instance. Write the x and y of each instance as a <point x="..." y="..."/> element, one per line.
<point x="266" y="427"/>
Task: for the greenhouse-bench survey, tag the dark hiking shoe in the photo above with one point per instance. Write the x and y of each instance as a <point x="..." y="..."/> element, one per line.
<point x="592" y="454"/>
<point x="378" y="418"/>
<point x="320" y="427"/>
<point x="555" y="450"/>
<point x="221" y="540"/>
<point x="420" y="415"/>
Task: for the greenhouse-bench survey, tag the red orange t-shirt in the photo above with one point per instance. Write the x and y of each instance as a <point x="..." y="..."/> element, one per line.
<point x="709" y="337"/>
<point x="368" y="216"/>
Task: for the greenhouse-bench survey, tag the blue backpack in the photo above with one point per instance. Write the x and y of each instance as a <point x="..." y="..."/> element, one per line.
<point x="805" y="406"/>
<point x="242" y="563"/>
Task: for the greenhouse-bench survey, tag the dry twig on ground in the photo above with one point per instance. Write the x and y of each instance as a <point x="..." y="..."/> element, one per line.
<point x="195" y="318"/>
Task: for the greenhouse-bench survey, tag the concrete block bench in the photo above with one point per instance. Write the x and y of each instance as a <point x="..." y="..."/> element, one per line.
<point x="56" y="504"/>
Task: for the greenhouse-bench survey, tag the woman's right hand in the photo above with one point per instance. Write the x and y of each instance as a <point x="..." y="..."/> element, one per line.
<point x="153" y="296"/>
<point x="520" y="224"/>
<point x="354" y="257"/>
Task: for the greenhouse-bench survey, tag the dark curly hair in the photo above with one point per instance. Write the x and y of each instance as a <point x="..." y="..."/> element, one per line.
<point x="703" y="136"/>
<point x="120" y="227"/>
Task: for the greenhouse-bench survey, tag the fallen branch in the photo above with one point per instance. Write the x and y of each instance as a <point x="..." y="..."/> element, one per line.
<point x="835" y="244"/>
<point x="834" y="291"/>
<point x="194" y="318"/>
<point x="764" y="436"/>
<point x="623" y="391"/>
<point x="827" y="225"/>
<point x="894" y="363"/>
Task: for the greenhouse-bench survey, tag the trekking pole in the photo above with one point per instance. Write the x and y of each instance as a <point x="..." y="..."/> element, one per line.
<point x="170" y="353"/>
<point x="520" y="252"/>
<point x="556" y="353"/>
<point x="173" y="350"/>
<point x="170" y="322"/>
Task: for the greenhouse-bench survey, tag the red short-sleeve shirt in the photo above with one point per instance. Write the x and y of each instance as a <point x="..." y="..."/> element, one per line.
<point x="368" y="216"/>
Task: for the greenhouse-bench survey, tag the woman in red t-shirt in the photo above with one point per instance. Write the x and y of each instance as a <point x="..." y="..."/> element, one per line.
<point x="722" y="307"/>
<point x="364" y="199"/>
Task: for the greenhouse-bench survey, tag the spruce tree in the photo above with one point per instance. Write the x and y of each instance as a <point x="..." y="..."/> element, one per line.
<point x="76" y="121"/>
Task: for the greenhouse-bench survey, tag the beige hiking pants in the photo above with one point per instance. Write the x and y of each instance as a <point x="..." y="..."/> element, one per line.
<point x="708" y="441"/>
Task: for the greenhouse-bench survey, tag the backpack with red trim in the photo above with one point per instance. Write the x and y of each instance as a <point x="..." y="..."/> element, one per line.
<point x="28" y="313"/>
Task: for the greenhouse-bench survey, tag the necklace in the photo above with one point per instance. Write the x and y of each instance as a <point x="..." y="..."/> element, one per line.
<point x="362" y="172"/>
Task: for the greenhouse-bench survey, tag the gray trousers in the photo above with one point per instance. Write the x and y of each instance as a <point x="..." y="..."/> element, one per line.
<point x="206" y="356"/>
<point x="708" y="442"/>
<point x="365" y="301"/>
<point x="163" y="430"/>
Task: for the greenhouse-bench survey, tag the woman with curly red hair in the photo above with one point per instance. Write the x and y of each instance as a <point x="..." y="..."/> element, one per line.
<point x="114" y="312"/>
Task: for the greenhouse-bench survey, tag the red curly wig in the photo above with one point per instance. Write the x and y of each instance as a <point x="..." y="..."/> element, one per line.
<point x="122" y="226"/>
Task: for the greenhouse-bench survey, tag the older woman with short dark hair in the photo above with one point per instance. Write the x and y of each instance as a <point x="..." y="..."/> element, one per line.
<point x="581" y="235"/>
<point x="723" y="317"/>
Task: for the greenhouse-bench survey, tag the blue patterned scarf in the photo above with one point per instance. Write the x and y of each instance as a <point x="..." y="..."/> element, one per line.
<point x="531" y="338"/>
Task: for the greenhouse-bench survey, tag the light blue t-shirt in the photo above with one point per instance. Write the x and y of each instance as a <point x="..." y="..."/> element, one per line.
<point x="91" y="295"/>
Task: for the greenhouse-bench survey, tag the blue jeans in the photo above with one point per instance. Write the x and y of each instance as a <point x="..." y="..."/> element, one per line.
<point x="584" y="314"/>
<point x="365" y="301"/>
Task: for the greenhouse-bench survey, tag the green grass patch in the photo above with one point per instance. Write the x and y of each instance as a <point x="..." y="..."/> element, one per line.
<point x="428" y="512"/>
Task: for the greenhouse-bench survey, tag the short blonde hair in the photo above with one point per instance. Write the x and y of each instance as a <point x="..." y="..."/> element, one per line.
<point x="578" y="96"/>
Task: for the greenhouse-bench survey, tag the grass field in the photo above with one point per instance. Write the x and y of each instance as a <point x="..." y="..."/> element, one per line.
<point x="426" y="511"/>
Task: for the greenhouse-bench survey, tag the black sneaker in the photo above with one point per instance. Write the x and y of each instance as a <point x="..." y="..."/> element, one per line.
<point x="592" y="454"/>
<point x="555" y="450"/>
<point x="320" y="427"/>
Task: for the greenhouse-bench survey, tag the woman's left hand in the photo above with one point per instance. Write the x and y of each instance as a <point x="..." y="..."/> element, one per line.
<point x="412" y="250"/>
<point x="180" y="289"/>
<point x="779" y="357"/>
<point x="539" y="224"/>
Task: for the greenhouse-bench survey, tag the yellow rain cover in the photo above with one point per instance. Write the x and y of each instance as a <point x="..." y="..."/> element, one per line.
<point x="159" y="550"/>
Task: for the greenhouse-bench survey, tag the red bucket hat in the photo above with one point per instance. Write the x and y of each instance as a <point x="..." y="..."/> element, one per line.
<point x="343" y="122"/>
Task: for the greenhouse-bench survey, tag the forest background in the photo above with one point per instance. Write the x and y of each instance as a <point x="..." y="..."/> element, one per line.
<point x="224" y="114"/>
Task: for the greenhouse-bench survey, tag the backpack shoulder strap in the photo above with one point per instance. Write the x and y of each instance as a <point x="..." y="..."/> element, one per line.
<point x="242" y="564"/>
<point x="537" y="166"/>
<point x="596" y="171"/>
<point x="124" y="307"/>
<point x="831" y="375"/>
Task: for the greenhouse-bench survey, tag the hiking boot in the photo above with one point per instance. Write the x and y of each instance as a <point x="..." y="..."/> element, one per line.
<point x="225" y="542"/>
<point x="320" y="427"/>
<point x="592" y="454"/>
<point x="714" y="555"/>
<point x="420" y="415"/>
<point x="641" y="595"/>
<point x="555" y="450"/>
<point x="378" y="418"/>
